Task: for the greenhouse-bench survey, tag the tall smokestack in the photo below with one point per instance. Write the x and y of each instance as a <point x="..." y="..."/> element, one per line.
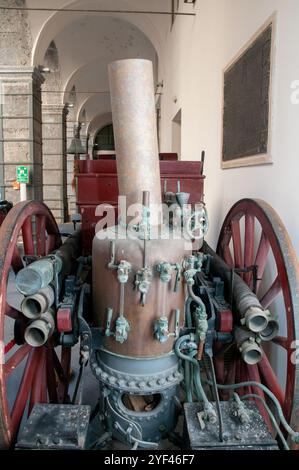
<point x="134" y="123"/>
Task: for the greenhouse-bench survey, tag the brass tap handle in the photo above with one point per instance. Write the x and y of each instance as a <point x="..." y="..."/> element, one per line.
<point x="200" y="349"/>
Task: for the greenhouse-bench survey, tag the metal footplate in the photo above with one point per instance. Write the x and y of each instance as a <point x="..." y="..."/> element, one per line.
<point x="202" y="435"/>
<point x="59" y="427"/>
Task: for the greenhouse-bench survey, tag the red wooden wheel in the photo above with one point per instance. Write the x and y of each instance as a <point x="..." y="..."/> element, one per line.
<point x="253" y="235"/>
<point x="37" y="374"/>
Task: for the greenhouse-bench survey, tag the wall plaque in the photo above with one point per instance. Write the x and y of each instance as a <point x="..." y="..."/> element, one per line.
<point x="246" y="106"/>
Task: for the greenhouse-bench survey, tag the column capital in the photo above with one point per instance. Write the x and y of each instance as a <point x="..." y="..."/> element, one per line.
<point x="55" y="109"/>
<point x="21" y="73"/>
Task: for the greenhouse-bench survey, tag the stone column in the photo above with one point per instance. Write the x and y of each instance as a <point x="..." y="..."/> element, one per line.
<point x="84" y="140"/>
<point x="90" y="146"/>
<point x="71" y="191"/>
<point x="20" y="129"/>
<point x="54" y="159"/>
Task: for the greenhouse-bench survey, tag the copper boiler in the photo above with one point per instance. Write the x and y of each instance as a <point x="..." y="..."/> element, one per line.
<point x="138" y="288"/>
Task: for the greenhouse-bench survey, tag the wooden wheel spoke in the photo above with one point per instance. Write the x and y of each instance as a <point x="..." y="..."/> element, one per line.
<point x="41" y="235"/>
<point x="245" y="377"/>
<point x="271" y="294"/>
<point x="24" y="390"/>
<point x="38" y="383"/>
<point x="17" y="262"/>
<point x="51" y="242"/>
<point x="281" y="341"/>
<point x="16" y="359"/>
<point x="227" y="256"/>
<point x="238" y="373"/>
<point x="261" y="257"/>
<point x="248" y="246"/>
<point x="270" y="378"/>
<point x="254" y="376"/>
<point x="8" y="346"/>
<point x="44" y="394"/>
<point x="11" y="312"/>
<point x="236" y="235"/>
<point x="27" y="234"/>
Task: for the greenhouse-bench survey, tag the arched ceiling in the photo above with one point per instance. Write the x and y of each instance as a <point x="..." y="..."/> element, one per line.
<point x="47" y="25"/>
<point x="99" y="40"/>
<point x="88" y="46"/>
<point x="87" y="43"/>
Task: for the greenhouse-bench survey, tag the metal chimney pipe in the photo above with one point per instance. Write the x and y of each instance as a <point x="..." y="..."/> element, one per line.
<point x="135" y="131"/>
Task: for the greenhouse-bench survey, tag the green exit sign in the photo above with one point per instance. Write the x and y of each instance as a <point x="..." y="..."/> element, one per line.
<point x="23" y="174"/>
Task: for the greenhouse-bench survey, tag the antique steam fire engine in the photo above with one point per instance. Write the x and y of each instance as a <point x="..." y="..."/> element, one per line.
<point x="186" y="344"/>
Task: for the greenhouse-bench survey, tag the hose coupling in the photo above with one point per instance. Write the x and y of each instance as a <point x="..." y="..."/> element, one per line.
<point x="256" y="319"/>
<point x="33" y="306"/>
<point x="39" y="331"/>
<point x="248" y="345"/>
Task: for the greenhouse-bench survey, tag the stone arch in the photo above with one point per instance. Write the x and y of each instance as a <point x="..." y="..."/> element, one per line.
<point x="52" y="88"/>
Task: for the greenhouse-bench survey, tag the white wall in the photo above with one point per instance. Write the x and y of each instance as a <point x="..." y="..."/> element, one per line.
<point x="196" y="53"/>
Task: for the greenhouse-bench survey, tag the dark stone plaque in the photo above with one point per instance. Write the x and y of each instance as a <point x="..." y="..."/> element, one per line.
<point x="246" y="101"/>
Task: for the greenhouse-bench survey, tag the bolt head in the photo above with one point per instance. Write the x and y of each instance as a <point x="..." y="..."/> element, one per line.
<point x="41" y="440"/>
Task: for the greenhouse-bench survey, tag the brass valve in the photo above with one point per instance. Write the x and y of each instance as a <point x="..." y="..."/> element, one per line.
<point x="161" y="327"/>
<point x="165" y="270"/>
<point x="123" y="271"/>
<point x="143" y="281"/>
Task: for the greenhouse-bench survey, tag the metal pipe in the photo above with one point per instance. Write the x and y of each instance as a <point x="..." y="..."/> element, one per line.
<point x="39" y="331"/>
<point x="34" y="305"/>
<point x="40" y="273"/>
<point x="197" y="381"/>
<point x="134" y="122"/>
<point x="36" y="276"/>
<point x="187" y="371"/>
<point x="253" y="315"/>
